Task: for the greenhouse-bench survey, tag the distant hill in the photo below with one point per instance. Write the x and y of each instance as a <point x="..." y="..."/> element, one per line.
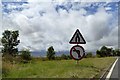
<point x="42" y="53"/>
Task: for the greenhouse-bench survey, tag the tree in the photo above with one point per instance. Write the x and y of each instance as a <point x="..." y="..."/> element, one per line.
<point x="114" y="53"/>
<point x="98" y="53"/>
<point x="117" y="52"/>
<point x="103" y="51"/>
<point x="25" y="55"/>
<point x="10" y="42"/>
<point x="50" y="53"/>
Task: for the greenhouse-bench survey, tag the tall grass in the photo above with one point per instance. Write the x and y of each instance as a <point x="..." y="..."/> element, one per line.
<point x="86" y="68"/>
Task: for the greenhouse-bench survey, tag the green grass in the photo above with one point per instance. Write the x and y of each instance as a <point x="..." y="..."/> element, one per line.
<point x="86" y="68"/>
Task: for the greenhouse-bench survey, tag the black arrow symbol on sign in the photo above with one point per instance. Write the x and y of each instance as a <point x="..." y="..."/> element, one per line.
<point x="77" y="39"/>
<point x="78" y="52"/>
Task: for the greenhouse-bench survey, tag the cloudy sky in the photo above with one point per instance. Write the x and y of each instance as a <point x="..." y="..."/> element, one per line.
<point x="42" y="24"/>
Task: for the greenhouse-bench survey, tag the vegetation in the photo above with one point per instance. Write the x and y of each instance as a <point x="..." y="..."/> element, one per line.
<point x="86" y="68"/>
<point x="63" y="56"/>
<point x="66" y="57"/>
<point x="5" y="68"/>
<point x="9" y="42"/>
<point x="104" y="52"/>
<point x="62" y="66"/>
<point x="51" y="53"/>
<point x="25" y="55"/>
<point x="10" y="50"/>
<point x="116" y="52"/>
<point x="89" y="55"/>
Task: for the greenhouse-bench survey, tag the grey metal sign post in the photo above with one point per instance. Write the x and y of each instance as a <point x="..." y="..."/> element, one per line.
<point x="77" y="52"/>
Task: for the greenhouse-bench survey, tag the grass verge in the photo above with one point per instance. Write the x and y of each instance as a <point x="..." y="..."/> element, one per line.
<point x="86" y="68"/>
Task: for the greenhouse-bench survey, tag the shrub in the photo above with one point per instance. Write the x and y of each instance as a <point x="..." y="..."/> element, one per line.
<point x="57" y="58"/>
<point x="89" y="55"/>
<point x="44" y="58"/>
<point x="97" y="55"/>
<point x="25" y="55"/>
<point x="69" y="57"/>
<point x="8" y="58"/>
<point x="63" y="56"/>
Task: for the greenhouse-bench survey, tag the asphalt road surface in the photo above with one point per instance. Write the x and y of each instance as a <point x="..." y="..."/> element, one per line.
<point x="116" y="71"/>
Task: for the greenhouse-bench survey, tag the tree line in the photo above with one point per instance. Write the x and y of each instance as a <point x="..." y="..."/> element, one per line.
<point x="10" y="51"/>
<point x="10" y="42"/>
<point x="106" y="52"/>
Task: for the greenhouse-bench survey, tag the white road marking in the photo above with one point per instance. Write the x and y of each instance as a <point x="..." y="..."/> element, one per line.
<point x="111" y="70"/>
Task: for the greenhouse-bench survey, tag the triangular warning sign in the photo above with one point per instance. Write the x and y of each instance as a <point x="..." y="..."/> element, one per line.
<point x="77" y="38"/>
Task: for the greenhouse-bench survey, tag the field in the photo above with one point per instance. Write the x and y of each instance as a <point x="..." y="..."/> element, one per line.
<point x="86" y="68"/>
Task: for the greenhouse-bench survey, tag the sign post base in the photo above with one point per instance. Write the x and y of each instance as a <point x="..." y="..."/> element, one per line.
<point x="77" y="62"/>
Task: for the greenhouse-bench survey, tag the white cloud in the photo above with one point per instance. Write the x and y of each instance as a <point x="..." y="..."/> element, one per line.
<point x="73" y="0"/>
<point x="108" y="8"/>
<point x="55" y="29"/>
<point x="98" y="24"/>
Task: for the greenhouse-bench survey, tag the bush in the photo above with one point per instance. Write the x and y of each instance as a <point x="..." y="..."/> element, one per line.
<point x="63" y="56"/>
<point x="69" y="57"/>
<point x="44" y="58"/>
<point x="57" y="58"/>
<point x="66" y="57"/>
<point x="8" y="58"/>
<point x="89" y="55"/>
<point x="98" y="53"/>
<point x="117" y="52"/>
<point x="25" y="55"/>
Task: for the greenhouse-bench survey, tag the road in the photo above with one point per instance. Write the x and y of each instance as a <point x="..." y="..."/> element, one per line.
<point x="116" y="71"/>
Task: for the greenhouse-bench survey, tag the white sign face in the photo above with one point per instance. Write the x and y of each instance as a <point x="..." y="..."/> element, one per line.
<point x="77" y="38"/>
<point x="77" y="52"/>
